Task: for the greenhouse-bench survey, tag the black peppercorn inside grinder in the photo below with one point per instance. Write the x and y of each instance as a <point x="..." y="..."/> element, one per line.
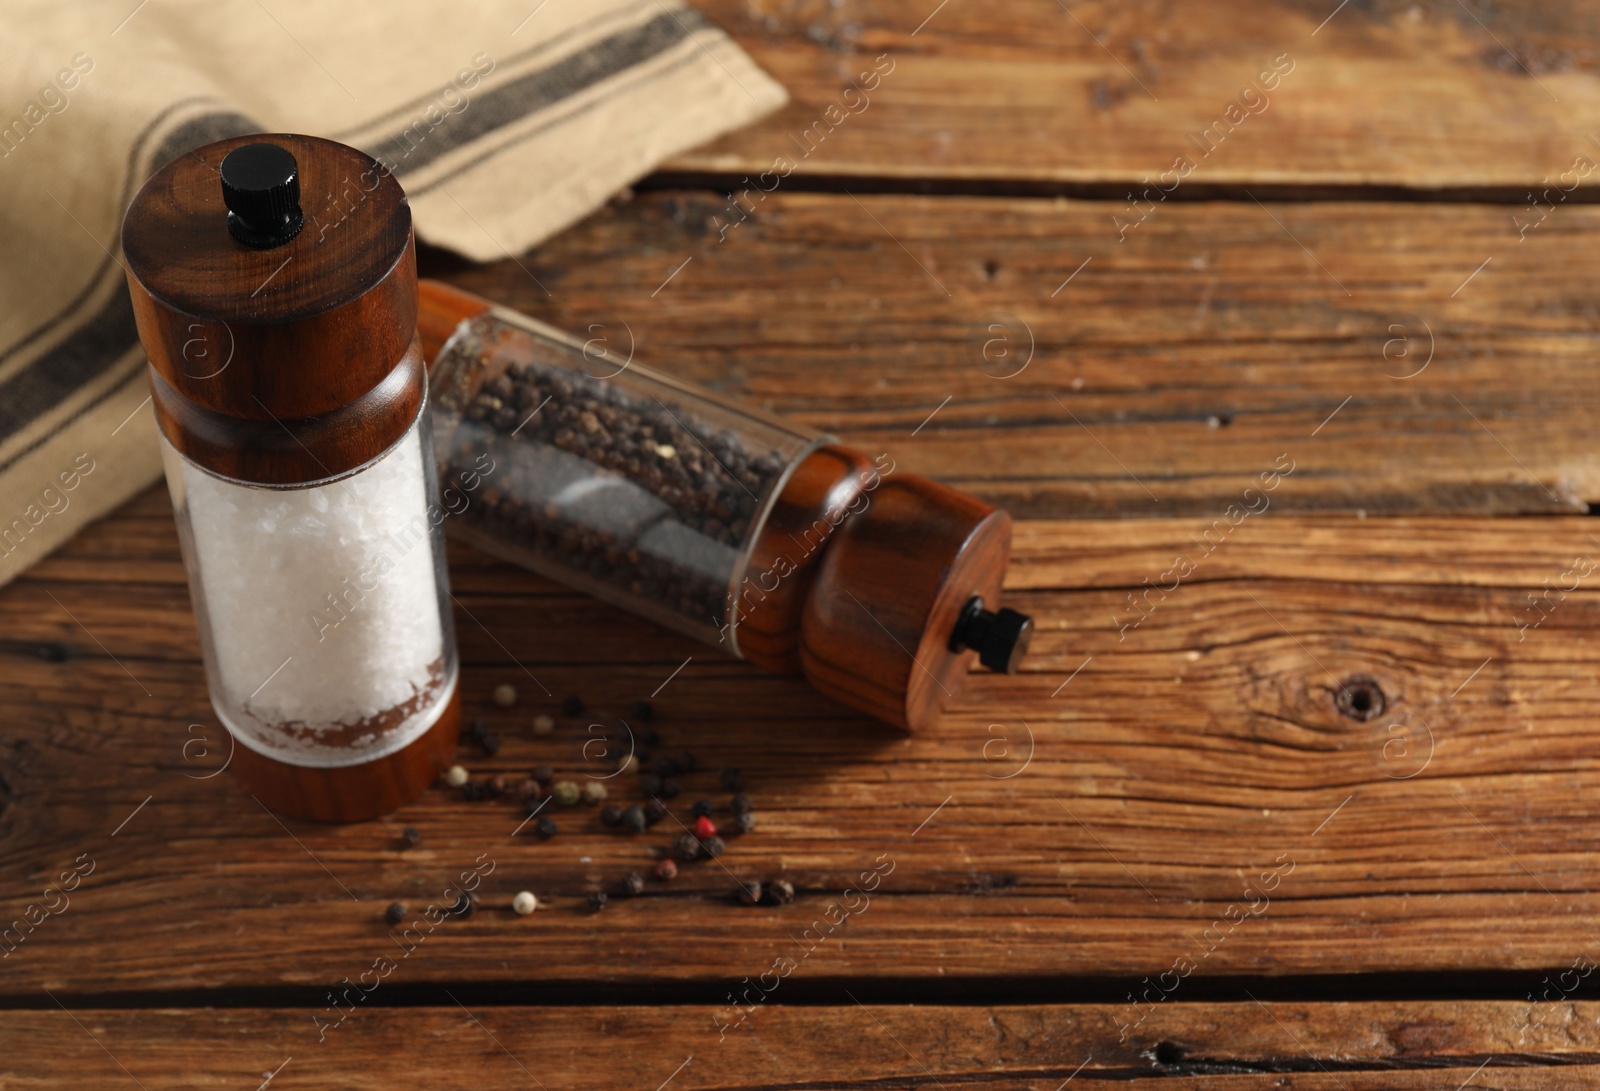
<point x="714" y="518"/>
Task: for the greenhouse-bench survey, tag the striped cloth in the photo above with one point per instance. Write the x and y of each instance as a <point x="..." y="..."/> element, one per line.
<point x="505" y="120"/>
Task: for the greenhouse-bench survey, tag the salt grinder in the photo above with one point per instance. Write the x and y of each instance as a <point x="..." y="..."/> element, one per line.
<point x="714" y="518"/>
<point x="275" y="289"/>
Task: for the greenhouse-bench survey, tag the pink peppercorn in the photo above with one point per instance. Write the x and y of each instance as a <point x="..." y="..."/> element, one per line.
<point x="704" y="827"/>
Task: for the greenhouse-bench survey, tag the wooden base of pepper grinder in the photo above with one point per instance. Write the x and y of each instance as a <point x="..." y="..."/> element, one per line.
<point x="904" y="597"/>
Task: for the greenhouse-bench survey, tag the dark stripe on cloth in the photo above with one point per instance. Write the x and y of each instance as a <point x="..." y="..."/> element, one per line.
<point x="529" y="94"/>
<point x="95" y="346"/>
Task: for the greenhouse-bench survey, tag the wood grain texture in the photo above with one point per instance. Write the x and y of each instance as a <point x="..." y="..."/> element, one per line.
<point x="1421" y="95"/>
<point x="1162" y="378"/>
<point x="1173" y="765"/>
<point x="1231" y="1047"/>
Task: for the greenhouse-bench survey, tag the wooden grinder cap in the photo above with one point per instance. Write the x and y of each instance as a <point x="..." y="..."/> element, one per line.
<point x="903" y="597"/>
<point x="280" y="333"/>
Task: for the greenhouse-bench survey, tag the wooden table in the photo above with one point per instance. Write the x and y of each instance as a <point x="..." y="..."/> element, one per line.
<point x="1298" y="787"/>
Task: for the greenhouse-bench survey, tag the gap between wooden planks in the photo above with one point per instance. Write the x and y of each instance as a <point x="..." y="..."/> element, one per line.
<point x="1232" y="1047"/>
<point x="1171" y="767"/>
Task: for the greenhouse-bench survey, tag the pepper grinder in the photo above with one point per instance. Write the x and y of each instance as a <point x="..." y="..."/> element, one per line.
<point x="274" y="284"/>
<point x="752" y="533"/>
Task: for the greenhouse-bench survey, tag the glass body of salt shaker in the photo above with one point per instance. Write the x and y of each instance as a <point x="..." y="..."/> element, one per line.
<point x="712" y="517"/>
<point x="274" y="285"/>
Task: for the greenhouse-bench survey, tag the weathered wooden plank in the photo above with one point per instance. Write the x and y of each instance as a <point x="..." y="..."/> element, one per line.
<point x="1430" y="94"/>
<point x="1403" y="358"/>
<point x="1174" y="763"/>
<point x="1037" y="1048"/>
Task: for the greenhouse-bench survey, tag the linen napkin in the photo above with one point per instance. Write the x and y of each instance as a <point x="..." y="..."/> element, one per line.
<point x="505" y="120"/>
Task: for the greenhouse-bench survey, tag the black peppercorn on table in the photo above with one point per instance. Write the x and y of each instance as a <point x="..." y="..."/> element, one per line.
<point x="1272" y="326"/>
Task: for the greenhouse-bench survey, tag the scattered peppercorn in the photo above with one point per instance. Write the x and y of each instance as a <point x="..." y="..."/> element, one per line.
<point x="530" y="789"/>
<point x="744" y="823"/>
<point x="411" y="838"/>
<point x="739" y="804"/>
<point x="666" y="870"/>
<point x="686" y="762"/>
<point x="524" y="903"/>
<point x="628" y="764"/>
<point x="687" y="847"/>
<point x="633" y="884"/>
<point x="565" y="793"/>
<point x="641" y="711"/>
<point x="780" y="891"/>
<point x="395" y="913"/>
<point x="650" y="738"/>
<point x="545" y="827"/>
<point x="543" y="774"/>
<point x="750" y="892"/>
<point x="475" y="790"/>
<point x="701" y="808"/>
<point x="487" y="741"/>
<point x="505" y="695"/>
<point x="633" y="819"/>
<point x="543" y="725"/>
<point x="455" y="776"/>
<point x="597" y="901"/>
<point x="462" y="906"/>
<point x="611" y="815"/>
<point x="503" y="784"/>
<point x="704" y="827"/>
<point x="530" y="807"/>
<point x="655" y="811"/>
<point x="670" y="788"/>
<point x="572" y="706"/>
<point x="650" y="784"/>
<point x="732" y="780"/>
<point x="713" y="847"/>
<point x="594" y="791"/>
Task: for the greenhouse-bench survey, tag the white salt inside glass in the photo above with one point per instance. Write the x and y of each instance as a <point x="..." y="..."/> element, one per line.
<point x="321" y="607"/>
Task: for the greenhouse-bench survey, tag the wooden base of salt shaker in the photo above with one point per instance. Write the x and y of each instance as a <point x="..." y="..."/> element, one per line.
<point x="352" y="793"/>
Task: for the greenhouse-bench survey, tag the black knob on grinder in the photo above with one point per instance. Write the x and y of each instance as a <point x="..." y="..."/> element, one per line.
<point x="999" y="637"/>
<point x="261" y="187"/>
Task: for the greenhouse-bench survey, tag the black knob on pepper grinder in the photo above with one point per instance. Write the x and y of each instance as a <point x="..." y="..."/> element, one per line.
<point x="999" y="637"/>
<point x="261" y="187"/>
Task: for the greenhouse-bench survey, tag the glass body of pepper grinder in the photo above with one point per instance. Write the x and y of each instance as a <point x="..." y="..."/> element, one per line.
<point x="274" y="284"/>
<point x="714" y="518"/>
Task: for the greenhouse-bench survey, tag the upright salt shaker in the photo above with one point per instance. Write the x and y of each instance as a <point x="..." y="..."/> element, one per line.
<point x="710" y="516"/>
<point x="274" y="283"/>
